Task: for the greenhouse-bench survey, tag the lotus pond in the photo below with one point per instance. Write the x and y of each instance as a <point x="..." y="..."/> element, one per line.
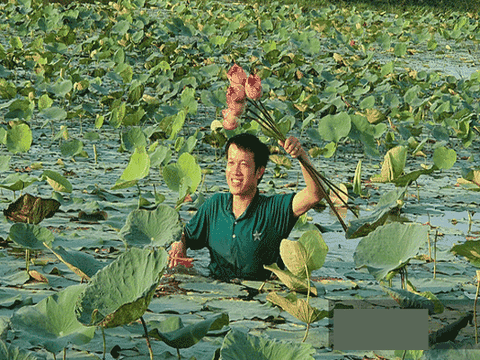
<point x="111" y="115"/>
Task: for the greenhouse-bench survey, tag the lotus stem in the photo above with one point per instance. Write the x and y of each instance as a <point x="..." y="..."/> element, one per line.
<point x="104" y="342"/>
<point x="435" y="255"/>
<point x="475" y="307"/>
<point x="27" y="260"/>
<point x="306" y="333"/>
<point x="147" y="338"/>
<point x="54" y="356"/>
<point x="178" y="353"/>
<point x="64" y="353"/>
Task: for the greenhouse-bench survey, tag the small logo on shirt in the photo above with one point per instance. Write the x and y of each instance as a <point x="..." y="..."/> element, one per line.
<point x="256" y="236"/>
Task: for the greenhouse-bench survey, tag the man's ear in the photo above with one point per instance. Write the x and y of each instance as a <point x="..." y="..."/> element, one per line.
<point x="260" y="172"/>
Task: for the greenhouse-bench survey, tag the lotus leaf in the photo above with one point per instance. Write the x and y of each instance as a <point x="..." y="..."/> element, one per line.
<point x="121" y="292"/>
<point x="57" y="181"/>
<point x="138" y="166"/>
<point x="14" y="353"/>
<point x="133" y="138"/>
<point x="309" y="251"/>
<point x="291" y="281"/>
<point x="470" y="250"/>
<point x="184" y="176"/>
<point x="16" y="182"/>
<point x="71" y="148"/>
<point x="238" y="345"/>
<point x="81" y="263"/>
<point x="444" y="158"/>
<point x="299" y="308"/>
<point x="173" y="333"/>
<point x="52" y="323"/>
<point x="409" y="300"/>
<point x="389" y="247"/>
<point x="388" y="203"/>
<point x="31" y="236"/>
<point x="54" y="114"/>
<point x="393" y="165"/>
<point x="31" y="209"/>
<point x="158" y="227"/>
<point x="19" y="138"/>
<point x="335" y="127"/>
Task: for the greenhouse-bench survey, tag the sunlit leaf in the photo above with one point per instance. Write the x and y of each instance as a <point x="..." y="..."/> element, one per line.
<point x="444" y="158"/>
<point x="19" y="138"/>
<point x="334" y="127"/>
<point x="57" y="182"/>
<point x="299" y="308"/>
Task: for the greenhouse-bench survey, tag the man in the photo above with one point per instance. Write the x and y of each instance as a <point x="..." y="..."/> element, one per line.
<point x="243" y="229"/>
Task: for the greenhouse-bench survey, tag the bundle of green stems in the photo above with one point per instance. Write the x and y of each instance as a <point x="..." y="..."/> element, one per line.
<point x="268" y="124"/>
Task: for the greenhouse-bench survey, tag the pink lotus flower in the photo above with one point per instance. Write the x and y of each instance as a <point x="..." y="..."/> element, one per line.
<point x="237" y="75"/>
<point x="253" y="87"/>
<point x="230" y="121"/>
<point x="235" y="94"/>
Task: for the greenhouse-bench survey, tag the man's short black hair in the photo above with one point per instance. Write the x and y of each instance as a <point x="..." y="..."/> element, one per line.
<point x="249" y="142"/>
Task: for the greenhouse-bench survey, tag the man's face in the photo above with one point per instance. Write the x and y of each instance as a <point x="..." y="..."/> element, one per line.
<point x="242" y="178"/>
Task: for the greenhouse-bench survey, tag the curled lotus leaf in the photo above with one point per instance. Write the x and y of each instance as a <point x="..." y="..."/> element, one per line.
<point x="470" y="250"/>
<point x="52" y="322"/>
<point x="14" y="353"/>
<point x="81" y="263"/>
<point x="121" y="292"/>
<point x="291" y="281"/>
<point x="299" y="308"/>
<point x="31" y="209"/>
<point x="173" y="333"/>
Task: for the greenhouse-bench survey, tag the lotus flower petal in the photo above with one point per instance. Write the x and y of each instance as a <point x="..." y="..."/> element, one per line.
<point x="235" y="94"/>
<point x="236" y="75"/>
<point x="253" y="87"/>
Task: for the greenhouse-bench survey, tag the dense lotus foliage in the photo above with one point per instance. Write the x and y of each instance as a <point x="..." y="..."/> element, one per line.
<point x="111" y="115"/>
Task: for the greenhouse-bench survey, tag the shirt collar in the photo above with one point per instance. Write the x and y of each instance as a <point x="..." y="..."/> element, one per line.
<point x="251" y="207"/>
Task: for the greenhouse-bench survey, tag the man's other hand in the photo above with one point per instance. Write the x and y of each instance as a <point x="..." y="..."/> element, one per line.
<point x="178" y="256"/>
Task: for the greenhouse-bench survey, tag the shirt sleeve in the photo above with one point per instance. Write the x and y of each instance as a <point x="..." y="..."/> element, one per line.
<point x="196" y="230"/>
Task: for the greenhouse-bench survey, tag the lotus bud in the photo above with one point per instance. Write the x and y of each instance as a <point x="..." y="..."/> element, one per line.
<point x="230" y="121"/>
<point x="235" y="94"/>
<point x="237" y="109"/>
<point x="237" y="75"/>
<point x="253" y="87"/>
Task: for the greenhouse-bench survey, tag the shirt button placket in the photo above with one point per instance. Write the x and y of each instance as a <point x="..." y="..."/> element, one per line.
<point x="235" y="223"/>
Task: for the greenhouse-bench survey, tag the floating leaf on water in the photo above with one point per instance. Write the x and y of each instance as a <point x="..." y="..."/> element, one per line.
<point x="173" y="333"/>
<point x="31" y="209"/>
<point x="121" y="292"/>
<point x="14" y="353"/>
<point x="239" y="345"/>
<point x="51" y="323"/>
<point x="409" y="300"/>
<point x="389" y="247"/>
<point x="31" y="236"/>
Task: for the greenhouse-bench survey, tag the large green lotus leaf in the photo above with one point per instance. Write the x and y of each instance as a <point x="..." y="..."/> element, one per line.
<point x="238" y="345"/>
<point x="409" y="300"/>
<point x="393" y="164"/>
<point x="388" y="203"/>
<point x="308" y="252"/>
<point x="81" y="263"/>
<point x="444" y="158"/>
<point x="138" y="166"/>
<point x="57" y="182"/>
<point x="71" y="148"/>
<point x="16" y="182"/>
<point x="19" y="138"/>
<point x="291" y="281"/>
<point x="121" y="292"/>
<point x="159" y="227"/>
<point x="61" y="88"/>
<point x="178" y="336"/>
<point x="54" y="114"/>
<point x="187" y="170"/>
<point x="14" y="353"/>
<point x="335" y="127"/>
<point x="31" y="236"/>
<point x="470" y="250"/>
<point x="299" y="308"/>
<point x="31" y="209"/>
<point x="52" y="323"/>
<point x="389" y="247"/>
<point x="133" y="138"/>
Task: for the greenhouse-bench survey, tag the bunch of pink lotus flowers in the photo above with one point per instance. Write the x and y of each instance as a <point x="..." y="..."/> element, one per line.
<point x="245" y="89"/>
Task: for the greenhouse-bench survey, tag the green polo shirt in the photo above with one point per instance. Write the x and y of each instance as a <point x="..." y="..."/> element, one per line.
<point x="240" y="247"/>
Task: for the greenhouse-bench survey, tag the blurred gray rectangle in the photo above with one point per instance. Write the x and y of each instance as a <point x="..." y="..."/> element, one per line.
<point x="380" y="329"/>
